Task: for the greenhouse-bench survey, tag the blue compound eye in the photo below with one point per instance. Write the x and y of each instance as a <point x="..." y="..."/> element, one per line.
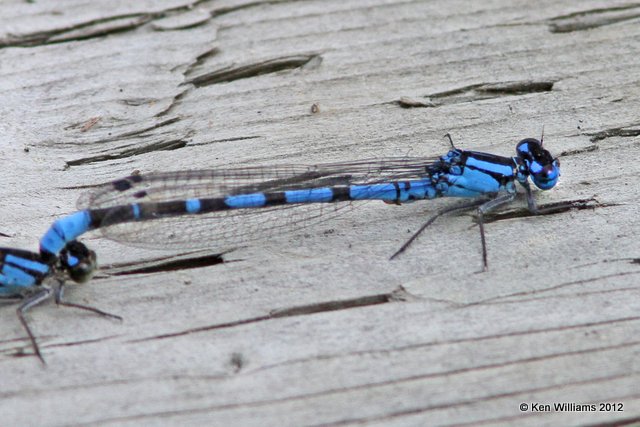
<point x="79" y="261"/>
<point x="545" y="177"/>
<point x="541" y="166"/>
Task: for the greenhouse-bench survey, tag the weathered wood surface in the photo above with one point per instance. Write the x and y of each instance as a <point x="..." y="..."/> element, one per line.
<point x="319" y="328"/>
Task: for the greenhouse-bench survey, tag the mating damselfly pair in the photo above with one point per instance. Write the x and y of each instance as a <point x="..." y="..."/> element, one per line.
<point x="220" y="208"/>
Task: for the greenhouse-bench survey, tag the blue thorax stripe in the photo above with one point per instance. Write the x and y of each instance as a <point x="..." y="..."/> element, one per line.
<point x="15" y="276"/>
<point x="27" y="264"/>
<point x="490" y="167"/>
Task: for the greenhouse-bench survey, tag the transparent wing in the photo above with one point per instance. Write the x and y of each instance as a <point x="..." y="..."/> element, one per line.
<point x="231" y="228"/>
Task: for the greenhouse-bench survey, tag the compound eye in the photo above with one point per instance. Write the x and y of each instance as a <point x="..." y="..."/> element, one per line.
<point x="545" y="177"/>
<point x="78" y="261"/>
<point x="83" y="270"/>
<point x="529" y="148"/>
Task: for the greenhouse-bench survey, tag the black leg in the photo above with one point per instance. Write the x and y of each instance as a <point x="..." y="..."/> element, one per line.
<point x="59" y="292"/>
<point x="32" y="301"/>
<point x="433" y="218"/>
<point x="485" y="208"/>
<point x="448" y="135"/>
<point x="531" y="202"/>
<point x="45" y="293"/>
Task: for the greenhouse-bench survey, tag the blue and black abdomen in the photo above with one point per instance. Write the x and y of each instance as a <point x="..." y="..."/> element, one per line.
<point x="225" y="208"/>
<point x="397" y="192"/>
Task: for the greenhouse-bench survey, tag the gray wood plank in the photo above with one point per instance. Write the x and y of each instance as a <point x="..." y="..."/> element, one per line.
<point x="317" y="327"/>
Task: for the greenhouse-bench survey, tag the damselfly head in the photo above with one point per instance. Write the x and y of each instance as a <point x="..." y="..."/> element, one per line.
<point x="79" y="261"/>
<point x="542" y="167"/>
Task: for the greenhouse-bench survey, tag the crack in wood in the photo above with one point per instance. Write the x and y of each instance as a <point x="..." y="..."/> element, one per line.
<point x="96" y="27"/>
<point x="99" y="29"/>
<point x="237" y="72"/>
<point x="233" y="139"/>
<point x="593" y="18"/>
<point x="184" y="20"/>
<point x="623" y="131"/>
<point x="587" y="149"/>
<point x="302" y="310"/>
<point x="156" y="146"/>
<point x="185" y="262"/>
<point x="504" y="299"/>
<point x="83" y="342"/>
<point x="174" y="102"/>
<point x="327" y="306"/>
<point x="223" y="9"/>
<point x="82" y="31"/>
<point x="481" y="91"/>
<point x="500" y="88"/>
<point x="599" y="292"/>
<point x="200" y="60"/>
<point x="406" y="102"/>
<point x="134" y="150"/>
<point x="630" y="260"/>
<point x="131" y="134"/>
<point x="168" y="145"/>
